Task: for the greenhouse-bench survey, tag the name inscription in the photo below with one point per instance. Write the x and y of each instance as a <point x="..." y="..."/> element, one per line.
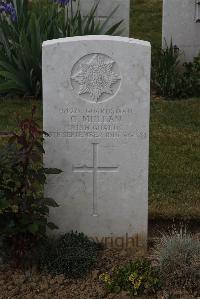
<point x="97" y="123"/>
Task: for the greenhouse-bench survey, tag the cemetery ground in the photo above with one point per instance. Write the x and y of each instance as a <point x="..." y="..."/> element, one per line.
<point x="174" y="179"/>
<point x="173" y="197"/>
<point x="174" y="154"/>
<point x="174" y="132"/>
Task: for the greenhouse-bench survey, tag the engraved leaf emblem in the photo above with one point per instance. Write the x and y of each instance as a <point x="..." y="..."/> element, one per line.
<point x="96" y="77"/>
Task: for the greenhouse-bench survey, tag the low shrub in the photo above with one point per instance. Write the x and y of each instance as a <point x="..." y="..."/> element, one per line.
<point x="137" y="278"/>
<point x="166" y="72"/>
<point x="192" y="77"/>
<point x="72" y="255"/>
<point x="178" y="256"/>
<point x="173" y="79"/>
<point x="23" y="208"/>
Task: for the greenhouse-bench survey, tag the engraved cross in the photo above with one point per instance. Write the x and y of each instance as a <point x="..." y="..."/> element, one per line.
<point x="95" y="169"/>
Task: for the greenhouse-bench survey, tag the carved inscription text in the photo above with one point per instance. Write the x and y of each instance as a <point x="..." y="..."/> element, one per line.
<point x="97" y="123"/>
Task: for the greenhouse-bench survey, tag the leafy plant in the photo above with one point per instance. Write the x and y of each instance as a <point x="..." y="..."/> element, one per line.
<point x="178" y="256"/>
<point x="171" y="78"/>
<point x="23" y="28"/>
<point x="166" y="72"/>
<point x="137" y="277"/>
<point x="72" y="255"/>
<point x="76" y="24"/>
<point x="23" y="208"/>
<point x="192" y="77"/>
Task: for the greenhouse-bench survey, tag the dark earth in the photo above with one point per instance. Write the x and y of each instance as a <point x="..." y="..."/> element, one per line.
<point x="16" y="284"/>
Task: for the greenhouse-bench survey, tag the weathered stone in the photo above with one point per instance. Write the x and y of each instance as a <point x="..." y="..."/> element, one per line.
<point x="180" y="24"/>
<point x="96" y="111"/>
<point x="105" y="8"/>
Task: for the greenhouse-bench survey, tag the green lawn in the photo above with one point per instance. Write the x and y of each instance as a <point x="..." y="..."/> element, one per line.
<point x="174" y="185"/>
<point x="174" y="182"/>
<point x="146" y="20"/>
<point x="174" y="153"/>
<point x="9" y="108"/>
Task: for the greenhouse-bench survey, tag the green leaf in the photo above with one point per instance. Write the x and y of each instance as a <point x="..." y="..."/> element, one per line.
<point x="105" y="23"/>
<point x="45" y="133"/>
<point x="40" y="147"/>
<point x="52" y="171"/>
<point x="113" y="29"/>
<point x="50" y="202"/>
<point x="117" y="289"/>
<point x="4" y="204"/>
<point x="52" y="226"/>
<point x="33" y="228"/>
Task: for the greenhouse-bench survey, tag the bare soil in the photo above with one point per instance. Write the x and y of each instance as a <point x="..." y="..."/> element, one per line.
<point x="18" y="284"/>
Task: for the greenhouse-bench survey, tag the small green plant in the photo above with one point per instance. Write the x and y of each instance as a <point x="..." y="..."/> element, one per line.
<point x="173" y="79"/>
<point x="192" y="77"/>
<point x="23" y="208"/>
<point x="72" y="255"/>
<point x="24" y="25"/>
<point x="166" y="72"/>
<point x="137" y="278"/>
<point x="178" y="256"/>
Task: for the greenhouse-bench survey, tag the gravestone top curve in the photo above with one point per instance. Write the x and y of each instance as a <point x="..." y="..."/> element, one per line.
<point x="96" y="108"/>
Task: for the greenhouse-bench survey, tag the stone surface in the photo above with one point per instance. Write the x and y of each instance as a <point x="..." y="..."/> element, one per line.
<point x="180" y="24"/>
<point x="106" y="7"/>
<point x="96" y="110"/>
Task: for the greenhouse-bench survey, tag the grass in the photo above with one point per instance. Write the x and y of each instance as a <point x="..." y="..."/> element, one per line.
<point x="174" y="133"/>
<point x="174" y="137"/>
<point x="174" y="178"/>
<point x="9" y="108"/>
<point x="175" y="159"/>
<point x="146" y="20"/>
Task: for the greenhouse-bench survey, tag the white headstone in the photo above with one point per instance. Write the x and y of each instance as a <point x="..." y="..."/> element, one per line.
<point x="96" y="110"/>
<point x="105" y="8"/>
<point x="181" y="24"/>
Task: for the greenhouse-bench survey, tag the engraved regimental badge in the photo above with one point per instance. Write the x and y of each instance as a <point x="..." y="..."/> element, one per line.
<point x="96" y="78"/>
